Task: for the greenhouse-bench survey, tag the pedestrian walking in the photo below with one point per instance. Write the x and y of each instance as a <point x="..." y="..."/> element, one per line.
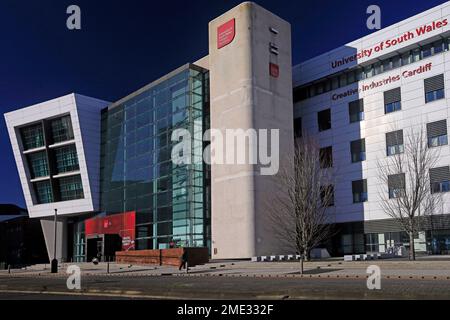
<point x="184" y="261"/>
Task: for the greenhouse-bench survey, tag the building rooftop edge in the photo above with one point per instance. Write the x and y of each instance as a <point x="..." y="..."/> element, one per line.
<point x="154" y="83"/>
<point x="373" y="34"/>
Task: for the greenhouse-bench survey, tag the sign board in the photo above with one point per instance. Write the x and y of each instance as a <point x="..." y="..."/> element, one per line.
<point x="122" y="224"/>
<point x="274" y="70"/>
<point x="226" y="33"/>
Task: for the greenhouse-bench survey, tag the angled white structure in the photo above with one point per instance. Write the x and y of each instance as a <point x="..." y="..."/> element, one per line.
<point x="67" y="140"/>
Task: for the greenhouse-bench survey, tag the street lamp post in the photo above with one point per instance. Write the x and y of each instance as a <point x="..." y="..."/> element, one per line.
<point x="55" y="261"/>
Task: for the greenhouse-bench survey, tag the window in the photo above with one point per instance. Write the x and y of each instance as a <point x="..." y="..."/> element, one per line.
<point x="406" y="58"/>
<point x="335" y="83"/>
<point x="343" y="80"/>
<point x="351" y="78"/>
<point x="387" y="65"/>
<point x="327" y="195"/>
<point x="396" y="185"/>
<point x="66" y="159"/>
<point x="70" y="188"/>
<point x="324" y="120"/>
<point x="32" y="137"/>
<point x="368" y="71"/>
<point x="426" y="51"/>
<point x="61" y="129"/>
<point x="359" y="188"/>
<point x="38" y="164"/>
<point x="438" y="47"/>
<point x="326" y="157"/>
<point x="358" y="150"/>
<point x="356" y="110"/>
<point x="377" y="67"/>
<point x="43" y="192"/>
<point x="372" y="242"/>
<point x="392" y="100"/>
<point x="298" y="127"/>
<point x="416" y="55"/>
<point x="394" y="142"/>
<point x="440" y="179"/>
<point x="359" y="74"/>
<point x="437" y="133"/>
<point x="396" y="62"/>
<point x="434" y="88"/>
<point x="319" y="88"/>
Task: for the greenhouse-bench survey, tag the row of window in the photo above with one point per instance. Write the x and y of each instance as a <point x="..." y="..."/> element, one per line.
<point x="361" y="73"/>
<point x="434" y="90"/>
<point x="439" y="180"/>
<point x="65" y="189"/>
<point x="52" y="161"/>
<point x="60" y="130"/>
<point x="436" y="134"/>
<point x="65" y="159"/>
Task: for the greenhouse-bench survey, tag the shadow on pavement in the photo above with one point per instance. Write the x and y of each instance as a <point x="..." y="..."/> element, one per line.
<point x="316" y="271"/>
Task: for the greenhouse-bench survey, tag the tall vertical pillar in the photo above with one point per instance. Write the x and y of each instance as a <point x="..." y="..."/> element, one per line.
<point x="251" y="88"/>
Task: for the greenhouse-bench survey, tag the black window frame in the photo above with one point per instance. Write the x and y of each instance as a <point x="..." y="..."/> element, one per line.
<point x="359" y="191"/>
<point x="359" y="151"/>
<point x="324" y="124"/>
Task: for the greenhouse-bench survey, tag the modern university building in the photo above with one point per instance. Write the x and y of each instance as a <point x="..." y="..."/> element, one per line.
<point x="107" y="169"/>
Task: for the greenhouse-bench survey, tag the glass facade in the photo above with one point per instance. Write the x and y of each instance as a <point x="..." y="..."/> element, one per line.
<point x="61" y="129"/>
<point x="66" y="159"/>
<point x="49" y="163"/>
<point x="32" y="136"/>
<point x="79" y="242"/>
<point x="137" y="174"/>
<point x="43" y="191"/>
<point x="70" y="188"/>
<point x="38" y="164"/>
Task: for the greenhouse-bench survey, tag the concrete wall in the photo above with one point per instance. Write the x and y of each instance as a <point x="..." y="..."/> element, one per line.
<point x="48" y="228"/>
<point x="245" y="96"/>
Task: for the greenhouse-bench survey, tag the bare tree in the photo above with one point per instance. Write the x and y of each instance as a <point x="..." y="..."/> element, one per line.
<point x="298" y="212"/>
<point x="405" y="174"/>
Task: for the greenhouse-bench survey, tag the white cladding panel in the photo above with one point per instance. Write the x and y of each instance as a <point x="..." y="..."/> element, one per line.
<point x="85" y="114"/>
<point x="415" y="113"/>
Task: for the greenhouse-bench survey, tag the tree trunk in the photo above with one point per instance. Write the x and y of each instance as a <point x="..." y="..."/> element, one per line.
<point x="301" y="263"/>
<point x="412" y="251"/>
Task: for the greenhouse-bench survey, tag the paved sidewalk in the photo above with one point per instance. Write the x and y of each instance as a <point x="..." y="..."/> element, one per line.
<point x="438" y="269"/>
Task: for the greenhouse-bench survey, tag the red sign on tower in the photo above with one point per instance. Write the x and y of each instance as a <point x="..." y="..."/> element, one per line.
<point x="226" y="33"/>
<point x="274" y="70"/>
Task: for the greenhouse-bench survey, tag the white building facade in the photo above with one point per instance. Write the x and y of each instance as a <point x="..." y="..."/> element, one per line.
<point x="360" y="101"/>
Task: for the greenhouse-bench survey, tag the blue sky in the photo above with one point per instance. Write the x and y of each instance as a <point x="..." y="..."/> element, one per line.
<point x="124" y="45"/>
